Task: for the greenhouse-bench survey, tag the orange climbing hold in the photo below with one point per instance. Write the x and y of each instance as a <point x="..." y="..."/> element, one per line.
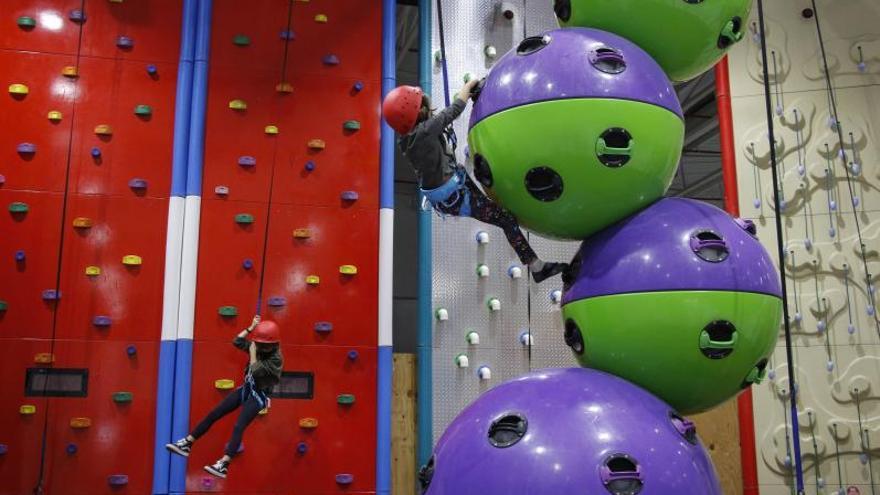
<point x="80" y="423"/>
<point x="317" y="144"/>
<point x="70" y="71"/>
<point x="104" y="130"/>
<point x="82" y="223"/>
<point x="44" y="358"/>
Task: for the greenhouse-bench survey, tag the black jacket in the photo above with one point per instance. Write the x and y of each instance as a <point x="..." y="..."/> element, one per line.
<point x="267" y="370"/>
<point x="428" y="151"/>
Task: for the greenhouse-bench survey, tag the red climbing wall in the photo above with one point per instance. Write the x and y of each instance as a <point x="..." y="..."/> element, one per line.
<point x="331" y="68"/>
<point x="93" y="195"/>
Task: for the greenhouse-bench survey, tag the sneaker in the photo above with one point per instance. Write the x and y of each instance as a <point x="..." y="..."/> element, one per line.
<point x="549" y="270"/>
<point x="180" y="447"/>
<point x="218" y="469"/>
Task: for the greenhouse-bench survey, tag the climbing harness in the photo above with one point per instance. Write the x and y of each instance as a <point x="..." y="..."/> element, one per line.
<point x="453" y="192"/>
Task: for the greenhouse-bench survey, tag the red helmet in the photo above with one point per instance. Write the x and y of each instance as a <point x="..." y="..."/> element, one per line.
<point x="401" y="108"/>
<point x="267" y="332"/>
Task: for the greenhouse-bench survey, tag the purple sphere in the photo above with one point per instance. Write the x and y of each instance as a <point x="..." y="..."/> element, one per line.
<point x="563" y="64"/>
<point x="674" y="244"/>
<point x="569" y="431"/>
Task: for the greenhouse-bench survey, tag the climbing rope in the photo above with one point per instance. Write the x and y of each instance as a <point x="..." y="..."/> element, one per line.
<point x="799" y="475"/>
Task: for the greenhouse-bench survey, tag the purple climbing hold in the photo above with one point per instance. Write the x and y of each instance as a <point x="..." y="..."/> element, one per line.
<point x="310" y="165"/>
<point x="131" y="350"/>
<point x="26" y="148"/>
<point x="323" y="327"/>
<point x="3" y="449"/>
<point x="77" y="15"/>
<point x="349" y="195"/>
<point x="2" y="179"/>
<point x="353" y="355"/>
<point x="208" y="482"/>
<point x="330" y="59"/>
<point x="344" y="479"/>
<point x="619" y="437"/>
<point x="51" y="295"/>
<point x="286" y="34"/>
<point x="96" y="152"/>
<point x="19" y="256"/>
<point x="152" y="70"/>
<point x="71" y="448"/>
<point x="302" y="448"/>
<point x="247" y="161"/>
<point x="358" y="86"/>
<point x="101" y="321"/>
<point x="277" y="301"/>
<point x="124" y="42"/>
<point x="247" y="264"/>
<point x="117" y="479"/>
<point x="137" y="183"/>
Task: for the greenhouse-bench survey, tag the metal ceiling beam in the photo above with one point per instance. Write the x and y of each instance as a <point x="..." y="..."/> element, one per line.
<point x="710" y="179"/>
<point x="700" y="133"/>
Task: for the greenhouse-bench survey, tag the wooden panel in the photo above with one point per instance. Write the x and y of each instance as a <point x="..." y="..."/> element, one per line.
<point x="719" y="431"/>
<point x="403" y="425"/>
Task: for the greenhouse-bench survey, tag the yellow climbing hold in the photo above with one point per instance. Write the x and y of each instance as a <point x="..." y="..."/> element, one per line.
<point x="321" y="18"/>
<point x="54" y="116"/>
<point x="224" y="384"/>
<point x="284" y="87"/>
<point x="82" y="223"/>
<point x="302" y="233"/>
<point x="70" y="71"/>
<point x="80" y="422"/>
<point x="348" y="270"/>
<point x="308" y="423"/>
<point x="238" y="105"/>
<point x="27" y="409"/>
<point x="313" y="280"/>
<point x="317" y="144"/>
<point x="103" y="130"/>
<point x="271" y="129"/>
<point x="131" y="260"/>
<point x="18" y="89"/>
<point x="93" y="271"/>
<point x="44" y="358"/>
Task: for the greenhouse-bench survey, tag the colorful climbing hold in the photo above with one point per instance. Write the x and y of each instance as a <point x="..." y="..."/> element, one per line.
<point x="152" y="69"/>
<point x="82" y="223"/>
<point x="132" y="260"/>
<point x="44" y="358"/>
<point x="101" y="321"/>
<point x="317" y="144"/>
<point x="26" y="22"/>
<point x="351" y="125"/>
<point x="131" y="350"/>
<point x="352" y="355"/>
<point x="26" y="148"/>
<point x="51" y="295"/>
<point x="221" y="190"/>
<point x="227" y="311"/>
<point x="286" y="34"/>
<point x="349" y="195"/>
<point x="80" y="423"/>
<point x="313" y="280"/>
<point x="302" y="448"/>
<point x="117" y="479"/>
<point x="345" y="399"/>
<point x="357" y="87"/>
<point x="284" y="87"/>
<point x="224" y="384"/>
<point x="77" y="16"/>
<point x="323" y="326"/>
<point x="277" y="301"/>
<point x="122" y="397"/>
<point x="137" y="183"/>
<point x="271" y="129"/>
<point x="247" y="264"/>
<point x="330" y="59"/>
<point x="302" y="233"/>
<point x="27" y="409"/>
<point x="241" y="40"/>
<point x="124" y="42"/>
<point x="308" y="423"/>
<point x="244" y="218"/>
<point x="18" y="89"/>
<point x="310" y="166"/>
<point x="104" y="130"/>
<point x="143" y="110"/>
<point x="247" y="161"/>
<point x="2" y="179"/>
<point x="344" y="479"/>
<point x="238" y="105"/>
<point x="18" y="207"/>
<point x="54" y="116"/>
<point x="93" y="271"/>
<point x="322" y="18"/>
<point x="3" y="305"/>
<point x="96" y="152"/>
<point x="348" y="270"/>
<point x="71" y="448"/>
<point x="70" y="71"/>
<point x="19" y="256"/>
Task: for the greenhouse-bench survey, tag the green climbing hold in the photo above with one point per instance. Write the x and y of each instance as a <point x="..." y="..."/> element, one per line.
<point x="345" y="399"/>
<point x="351" y="125"/>
<point x="3" y="305"/>
<point x="26" y="22"/>
<point x="143" y="110"/>
<point x="18" y="207"/>
<point x="122" y="397"/>
<point x="228" y="311"/>
<point x="244" y="218"/>
<point x="241" y="40"/>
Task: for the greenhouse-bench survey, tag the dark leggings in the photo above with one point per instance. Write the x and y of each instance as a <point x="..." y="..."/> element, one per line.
<point x="487" y="211"/>
<point x="249" y="411"/>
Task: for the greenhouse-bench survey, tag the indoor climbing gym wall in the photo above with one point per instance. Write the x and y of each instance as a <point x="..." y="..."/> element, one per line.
<point x="85" y="169"/>
<point x="492" y="322"/>
<point x="289" y="224"/>
<point x="826" y="133"/>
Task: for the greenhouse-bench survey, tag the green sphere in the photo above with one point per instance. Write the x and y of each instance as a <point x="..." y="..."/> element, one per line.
<point x="569" y="168"/>
<point x="678" y="345"/>
<point x="686" y="37"/>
